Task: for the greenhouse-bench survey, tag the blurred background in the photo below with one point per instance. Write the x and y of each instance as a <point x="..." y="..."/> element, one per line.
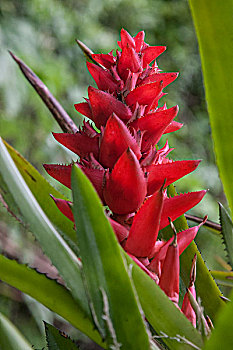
<point x="42" y="33"/>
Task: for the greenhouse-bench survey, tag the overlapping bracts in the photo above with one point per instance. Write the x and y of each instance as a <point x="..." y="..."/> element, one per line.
<point x="124" y="163"/>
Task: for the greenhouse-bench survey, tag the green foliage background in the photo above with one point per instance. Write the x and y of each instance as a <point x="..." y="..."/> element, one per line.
<point x="43" y="33"/>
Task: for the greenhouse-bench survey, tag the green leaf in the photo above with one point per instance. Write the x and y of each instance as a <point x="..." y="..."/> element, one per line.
<point x="41" y="189"/>
<point x="213" y="24"/>
<point x="227" y="232"/>
<point x="162" y="314"/>
<point x="51" y="242"/>
<point x="224" y="278"/>
<point x="206" y="287"/>
<point x="49" y="293"/>
<point x="10" y="337"/>
<point x="112" y="296"/>
<point x="56" y="340"/>
<point x="221" y="337"/>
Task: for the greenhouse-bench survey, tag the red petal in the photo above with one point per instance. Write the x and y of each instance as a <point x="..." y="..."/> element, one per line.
<point x="176" y="206"/>
<point x="103" y="105"/>
<point x="166" y="78"/>
<point x="61" y="173"/>
<point x="126" y="39"/>
<point x="174" y="126"/>
<point x="125" y="188"/>
<point x="139" y="40"/>
<point x="128" y="60"/>
<point x="116" y="139"/>
<point x="79" y="143"/>
<point x="84" y="109"/>
<point x="145" y="227"/>
<point x="144" y="94"/>
<point x="150" y="53"/>
<point x="154" y="124"/>
<point x="169" y="280"/>
<point x="103" y="78"/>
<point x="64" y="207"/>
<point x="120" y="231"/>
<point x="107" y="60"/>
<point x="170" y="171"/>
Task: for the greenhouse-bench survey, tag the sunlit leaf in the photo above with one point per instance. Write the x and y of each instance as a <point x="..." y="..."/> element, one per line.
<point x="213" y="24"/>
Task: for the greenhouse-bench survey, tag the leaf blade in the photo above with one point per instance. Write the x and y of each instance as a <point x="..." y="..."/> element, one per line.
<point x="103" y="265"/>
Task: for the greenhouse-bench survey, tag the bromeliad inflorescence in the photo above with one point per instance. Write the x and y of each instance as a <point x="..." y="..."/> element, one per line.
<point x="126" y="167"/>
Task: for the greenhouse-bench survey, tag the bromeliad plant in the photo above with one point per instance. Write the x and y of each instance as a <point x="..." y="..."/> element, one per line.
<point x="133" y="246"/>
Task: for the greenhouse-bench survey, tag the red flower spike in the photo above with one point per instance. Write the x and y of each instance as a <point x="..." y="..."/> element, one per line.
<point x="64" y="207"/>
<point x="104" y="105"/>
<point x="126" y="40"/>
<point x="84" y="108"/>
<point x="174" y="126"/>
<point x="144" y="94"/>
<point x="176" y="206"/>
<point x="79" y="143"/>
<point x="139" y="41"/>
<point x="125" y="188"/>
<point x="128" y="61"/>
<point x="107" y="60"/>
<point x="169" y="280"/>
<point x="61" y="173"/>
<point x="120" y="231"/>
<point x="166" y="78"/>
<point x="170" y="171"/>
<point x="116" y="139"/>
<point x="144" y="231"/>
<point x="187" y="308"/>
<point x="150" y="53"/>
<point x="103" y="78"/>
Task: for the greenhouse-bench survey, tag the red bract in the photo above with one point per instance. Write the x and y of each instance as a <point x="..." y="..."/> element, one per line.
<point x="123" y="161"/>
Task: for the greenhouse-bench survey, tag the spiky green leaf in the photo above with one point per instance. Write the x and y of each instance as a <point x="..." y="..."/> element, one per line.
<point x="227" y="232"/>
<point x="50" y="240"/>
<point x="41" y="189"/>
<point x="48" y="292"/>
<point x="56" y="340"/>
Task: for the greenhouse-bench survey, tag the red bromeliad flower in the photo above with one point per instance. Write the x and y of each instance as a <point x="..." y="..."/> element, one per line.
<point x="123" y="162"/>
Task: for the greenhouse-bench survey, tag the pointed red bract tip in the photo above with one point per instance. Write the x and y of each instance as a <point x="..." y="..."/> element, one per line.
<point x="116" y="139"/>
<point x="144" y="231"/>
<point x="126" y="39"/>
<point x="150" y="53"/>
<point x="61" y="173"/>
<point x="104" y="80"/>
<point x="139" y="41"/>
<point x="64" y="207"/>
<point x="79" y="143"/>
<point x="144" y="94"/>
<point x="84" y="109"/>
<point x="125" y="188"/>
<point x="128" y="61"/>
<point x="170" y="171"/>
<point x="104" y="105"/>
